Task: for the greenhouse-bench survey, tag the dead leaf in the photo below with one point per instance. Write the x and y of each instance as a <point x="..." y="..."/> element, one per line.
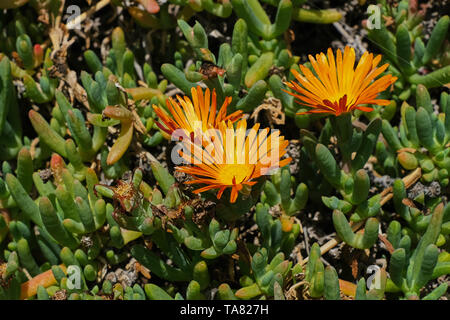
<point x="273" y="111"/>
<point x="409" y="203"/>
<point x="210" y="71"/>
<point x="142" y="270"/>
<point x="354" y="266"/>
<point x="411" y="150"/>
<point x="386" y="242"/>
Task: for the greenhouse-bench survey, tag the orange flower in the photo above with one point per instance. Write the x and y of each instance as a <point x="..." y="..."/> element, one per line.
<point x="200" y="113"/>
<point x="338" y="87"/>
<point x="231" y="158"/>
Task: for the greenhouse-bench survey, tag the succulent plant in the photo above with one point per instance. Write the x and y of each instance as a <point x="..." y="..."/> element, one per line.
<point x="10" y="122"/>
<point x="411" y="269"/>
<point x="265" y="274"/>
<point x="245" y="64"/>
<point x="420" y="140"/>
<point x="403" y="44"/>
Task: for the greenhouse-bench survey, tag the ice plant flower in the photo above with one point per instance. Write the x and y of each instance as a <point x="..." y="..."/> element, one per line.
<point x="234" y="158"/>
<point x="337" y="86"/>
<point x="192" y="115"/>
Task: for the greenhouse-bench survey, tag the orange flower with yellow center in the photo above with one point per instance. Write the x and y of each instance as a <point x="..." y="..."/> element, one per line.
<point x="233" y="158"/>
<point x="337" y="86"/>
<point x="192" y="115"/>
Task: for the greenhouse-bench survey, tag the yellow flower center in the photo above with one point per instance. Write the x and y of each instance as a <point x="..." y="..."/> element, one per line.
<point x="234" y="171"/>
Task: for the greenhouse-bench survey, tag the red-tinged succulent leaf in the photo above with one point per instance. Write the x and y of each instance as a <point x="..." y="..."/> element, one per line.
<point x="57" y="165"/>
<point x="286" y="223"/>
<point x="150" y="5"/>
<point x="143" y="18"/>
<point x="38" y="53"/>
<point x="249" y="292"/>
